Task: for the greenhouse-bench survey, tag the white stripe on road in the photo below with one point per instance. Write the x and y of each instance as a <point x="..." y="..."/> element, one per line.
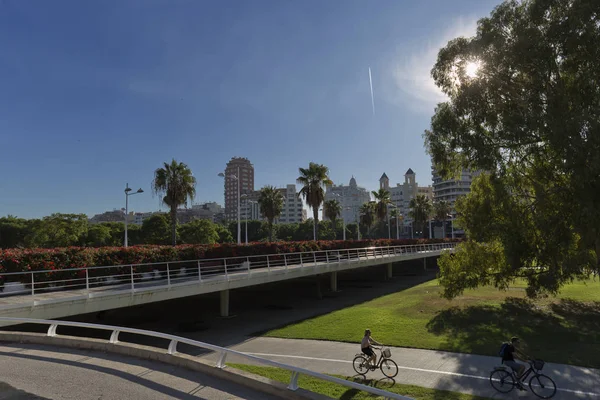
<point x="431" y="371"/>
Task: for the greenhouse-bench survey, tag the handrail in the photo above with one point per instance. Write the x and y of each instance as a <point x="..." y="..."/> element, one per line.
<point x="448" y="245"/>
<point x="172" y="349"/>
<point x="198" y="270"/>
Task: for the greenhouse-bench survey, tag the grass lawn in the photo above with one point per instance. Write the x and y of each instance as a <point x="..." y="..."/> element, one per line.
<point x="565" y="329"/>
<point x="341" y="392"/>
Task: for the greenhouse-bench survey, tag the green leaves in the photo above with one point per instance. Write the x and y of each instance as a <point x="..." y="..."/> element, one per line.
<point x="531" y="119"/>
<point x="199" y="231"/>
<point x="271" y="204"/>
<point x="421" y="210"/>
<point x="176" y="183"/>
<point x="313" y="179"/>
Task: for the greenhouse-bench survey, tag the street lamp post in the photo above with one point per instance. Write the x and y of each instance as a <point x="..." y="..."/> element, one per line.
<point x="357" y="223"/>
<point x="238" y="182"/>
<point x="127" y="194"/>
<point x="344" y="208"/>
<point x="387" y="216"/>
<point x="245" y="197"/>
<point x="429" y="228"/>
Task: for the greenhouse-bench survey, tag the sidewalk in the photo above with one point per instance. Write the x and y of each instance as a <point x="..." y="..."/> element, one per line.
<point x="427" y="368"/>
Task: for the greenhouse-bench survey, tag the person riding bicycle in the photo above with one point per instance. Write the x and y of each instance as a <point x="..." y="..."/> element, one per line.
<point x="365" y="347"/>
<point x="509" y="354"/>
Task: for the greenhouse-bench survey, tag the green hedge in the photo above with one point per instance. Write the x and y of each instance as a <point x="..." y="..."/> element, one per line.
<point x="54" y="260"/>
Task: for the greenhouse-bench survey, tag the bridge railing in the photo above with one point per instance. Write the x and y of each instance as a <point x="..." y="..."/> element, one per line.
<point x="136" y="277"/>
<point x="221" y="351"/>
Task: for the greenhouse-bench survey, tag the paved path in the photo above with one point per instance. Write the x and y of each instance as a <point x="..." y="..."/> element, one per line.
<point x="442" y="370"/>
<point x="29" y="372"/>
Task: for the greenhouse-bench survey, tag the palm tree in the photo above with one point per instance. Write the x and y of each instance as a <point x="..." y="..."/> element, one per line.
<point x="367" y="215"/>
<point x="332" y="210"/>
<point x="441" y="210"/>
<point x="313" y="179"/>
<point x="176" y="182"/>
<point x="271" y="204"/>
<point x="420" y="211"/>
<point x="382" y="197"/>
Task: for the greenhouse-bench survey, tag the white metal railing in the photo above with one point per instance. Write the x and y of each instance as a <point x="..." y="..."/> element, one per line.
<point x="222" y="352"/>
<point x="96" y="281"/>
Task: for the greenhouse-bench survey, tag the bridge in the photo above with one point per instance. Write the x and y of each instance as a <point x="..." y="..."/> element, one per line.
<point x="49" y="294"/>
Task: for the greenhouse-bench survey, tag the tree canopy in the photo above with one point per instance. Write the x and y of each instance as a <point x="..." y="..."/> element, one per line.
<point x="313" y="180"/>
<point x="177" y="183"/>
<point x="271" y="204"/>
<point x="524" y="107"/>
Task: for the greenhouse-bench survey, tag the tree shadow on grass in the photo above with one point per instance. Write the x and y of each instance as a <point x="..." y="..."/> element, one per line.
<point x="566" y="333"/>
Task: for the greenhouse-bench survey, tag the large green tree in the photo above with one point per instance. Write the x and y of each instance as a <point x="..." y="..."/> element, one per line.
<point x="176" y="184"/>
<point x="313" y="180"/>
<point x="199" y="231"/>
<point x="155" y="230"/>
<point x="420" y="211"/>
<point x="383" y="200"/>
<point x="523" y="106"/>
<point x="441" y="212"/>
<point x="58" y="230"/>
<point x="271" y="204"/>
<point x="367" y="215"/>
<point x="332" y="210"/>
<point x="13" y="231"/>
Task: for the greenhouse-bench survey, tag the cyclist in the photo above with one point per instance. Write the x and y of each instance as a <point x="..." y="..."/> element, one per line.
<point x="365" y="347"/>
<point x="508" y="358"/>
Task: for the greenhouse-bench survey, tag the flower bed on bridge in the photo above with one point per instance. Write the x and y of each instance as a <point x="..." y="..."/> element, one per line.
<point x="57" y="259"/>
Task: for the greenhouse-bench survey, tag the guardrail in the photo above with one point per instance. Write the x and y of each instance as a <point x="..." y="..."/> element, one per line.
<point x="222" y="351"/>
<point x="136" y="277"/>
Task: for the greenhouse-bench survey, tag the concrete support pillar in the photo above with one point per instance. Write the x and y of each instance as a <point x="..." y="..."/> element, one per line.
<point x="390" y="271"/>
<point x="334" y="281"/>
<point x="224" y="303"/>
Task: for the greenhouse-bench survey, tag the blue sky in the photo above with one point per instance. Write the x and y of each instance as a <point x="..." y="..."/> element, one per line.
<point x="97" y="94"/>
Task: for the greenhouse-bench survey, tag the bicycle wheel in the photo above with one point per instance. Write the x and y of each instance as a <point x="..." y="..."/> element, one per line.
<point x="502" y="381"/>
<point x="542" y="386"/>
<point x="389" y="368"/>
<point x="360" y="365"/>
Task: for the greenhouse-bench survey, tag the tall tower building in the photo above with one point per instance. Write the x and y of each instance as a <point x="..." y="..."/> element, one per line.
<point x="384" y="182"/>
<point x="239" y="171"/>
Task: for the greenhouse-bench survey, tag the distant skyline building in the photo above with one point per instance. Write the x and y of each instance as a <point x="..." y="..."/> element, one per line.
<point x="292" y="211"/>
<point x="402" y="194"/>
<point x="245" y="181"/>
<point x="351" y="197"/>
<point x="451" y="189"/>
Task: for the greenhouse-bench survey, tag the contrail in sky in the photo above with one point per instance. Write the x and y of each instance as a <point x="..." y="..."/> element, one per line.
<point x="372" y="98"/>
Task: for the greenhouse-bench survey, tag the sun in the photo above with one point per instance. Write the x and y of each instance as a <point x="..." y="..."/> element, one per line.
<point x="472" y="69"/>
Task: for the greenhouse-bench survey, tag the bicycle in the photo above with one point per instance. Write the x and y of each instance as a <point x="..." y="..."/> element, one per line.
<point x="503" y="379"/>
<point x="387" y="366"/>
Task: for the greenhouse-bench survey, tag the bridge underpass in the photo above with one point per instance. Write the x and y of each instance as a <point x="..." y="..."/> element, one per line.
<point x="58" y="304"/>
<point x="260" y="308"/>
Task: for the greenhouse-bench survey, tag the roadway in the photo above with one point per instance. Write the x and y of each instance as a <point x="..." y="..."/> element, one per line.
<point x="32" y="372"/>
<point x="464" y="373"/>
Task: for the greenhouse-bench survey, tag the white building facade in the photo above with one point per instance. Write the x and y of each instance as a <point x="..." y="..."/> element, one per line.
<point x="450" y="190"/>
<point x="402" y="194"/>
<point x="292" y="212"/>
<point x="351" y="197"/>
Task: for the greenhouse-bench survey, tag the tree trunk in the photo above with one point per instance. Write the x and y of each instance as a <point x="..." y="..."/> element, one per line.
<point x="174" y="225"/>
<point x="597" y="255"/>
<point x="270" y="231"/>
<point x="334" y="227"/>
<point x="316" y="219"/>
